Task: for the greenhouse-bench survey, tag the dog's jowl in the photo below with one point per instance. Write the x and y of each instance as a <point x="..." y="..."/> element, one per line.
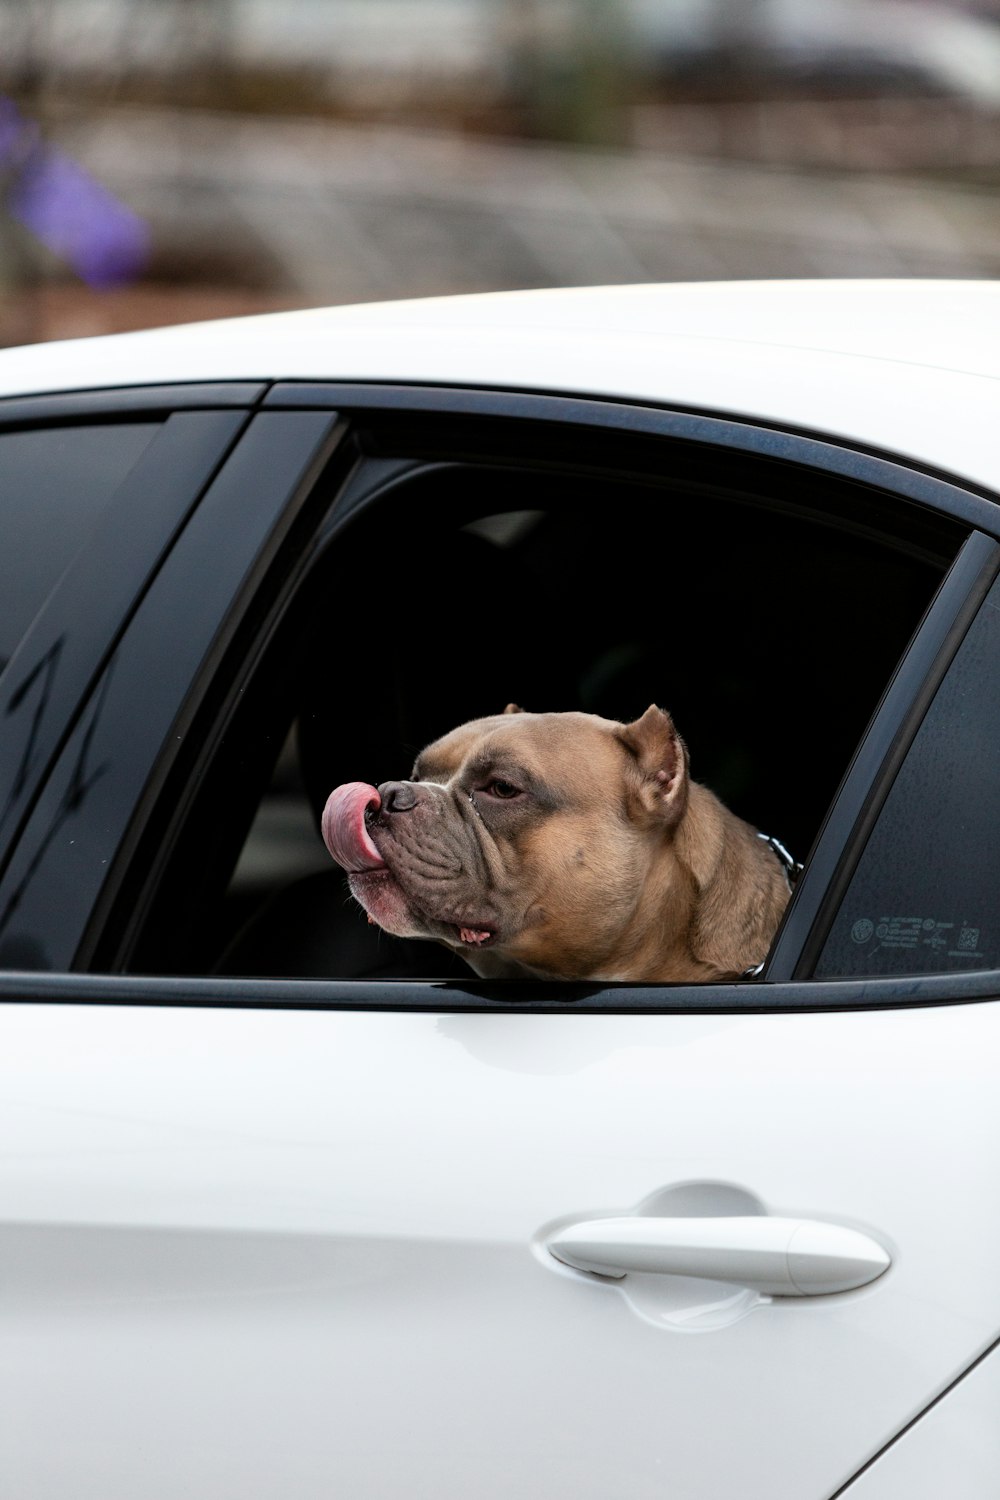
<point x="564" y="846"/>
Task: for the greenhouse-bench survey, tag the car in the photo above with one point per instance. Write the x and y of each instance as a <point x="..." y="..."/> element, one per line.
<point x="879" y="46"/>
<point x="290" y="1208"/>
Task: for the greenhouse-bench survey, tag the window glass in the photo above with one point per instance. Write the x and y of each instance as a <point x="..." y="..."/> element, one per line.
<point x="54" y="483"/>
<point x="923" y="897"/>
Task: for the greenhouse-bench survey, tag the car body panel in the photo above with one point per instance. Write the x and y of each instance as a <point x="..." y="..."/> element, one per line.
<point x="906" y="367"/>
<point x="295" y="1249"/>
<point x="953" y="1450"/>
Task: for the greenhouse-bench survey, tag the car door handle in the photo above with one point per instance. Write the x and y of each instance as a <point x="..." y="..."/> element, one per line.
<point x="783" y="1257"/>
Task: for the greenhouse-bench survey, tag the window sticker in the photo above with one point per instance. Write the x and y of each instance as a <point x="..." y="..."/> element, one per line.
<point x="956" y="940"/>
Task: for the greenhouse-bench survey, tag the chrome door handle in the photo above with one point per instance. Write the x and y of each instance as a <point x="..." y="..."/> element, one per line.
<point x="783" y="1257"/>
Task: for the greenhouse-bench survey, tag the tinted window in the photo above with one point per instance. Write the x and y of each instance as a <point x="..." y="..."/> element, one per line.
<point x="54" y="483"/>
<point x="924" y="896"/>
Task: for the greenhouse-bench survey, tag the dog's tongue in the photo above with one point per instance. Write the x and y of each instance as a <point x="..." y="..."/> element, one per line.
<point x="345" y="832"/>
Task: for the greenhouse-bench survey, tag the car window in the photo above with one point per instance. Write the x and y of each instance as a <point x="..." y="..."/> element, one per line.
<point x="923" y="896"/>
<point x="54" y="483"/>
<point x="769" y="631"/>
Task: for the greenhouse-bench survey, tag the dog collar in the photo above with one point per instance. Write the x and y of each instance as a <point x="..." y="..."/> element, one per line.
<point x="791" y="867"/>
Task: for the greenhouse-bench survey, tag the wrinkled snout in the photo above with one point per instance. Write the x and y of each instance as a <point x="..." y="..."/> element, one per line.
<point x="356" y="810"/>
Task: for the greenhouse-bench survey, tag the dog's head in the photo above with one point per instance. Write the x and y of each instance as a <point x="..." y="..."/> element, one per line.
<point x="538" y="842"/>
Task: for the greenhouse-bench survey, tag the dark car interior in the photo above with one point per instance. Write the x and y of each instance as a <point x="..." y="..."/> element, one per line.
<point x="765" y="607"/>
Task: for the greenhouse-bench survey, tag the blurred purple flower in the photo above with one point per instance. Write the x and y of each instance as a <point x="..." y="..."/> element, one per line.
<point x="67" y="209"/>
<point x="11" y="128"/>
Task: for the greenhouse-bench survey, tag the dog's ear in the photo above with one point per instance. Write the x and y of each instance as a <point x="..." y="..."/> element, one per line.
<point x="513" y="708"/>
<point x="661" y="761"/>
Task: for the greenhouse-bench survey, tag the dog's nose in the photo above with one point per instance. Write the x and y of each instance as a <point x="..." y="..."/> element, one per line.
<point x="397" y="796"/>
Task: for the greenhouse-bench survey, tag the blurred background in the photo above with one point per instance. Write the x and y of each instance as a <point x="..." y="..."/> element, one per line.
<point x="165" y="160"/>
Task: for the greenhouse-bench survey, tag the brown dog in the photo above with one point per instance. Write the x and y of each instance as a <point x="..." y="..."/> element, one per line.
<point x="564" y="846"/>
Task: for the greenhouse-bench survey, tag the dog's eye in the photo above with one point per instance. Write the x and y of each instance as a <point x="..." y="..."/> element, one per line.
<point x="505" y="790"/>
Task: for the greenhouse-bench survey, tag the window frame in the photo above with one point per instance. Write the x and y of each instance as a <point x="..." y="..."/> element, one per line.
<point x="783" y="985"/>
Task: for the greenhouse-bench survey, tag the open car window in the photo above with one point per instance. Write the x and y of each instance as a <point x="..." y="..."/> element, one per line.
<point x="767" y="616"/>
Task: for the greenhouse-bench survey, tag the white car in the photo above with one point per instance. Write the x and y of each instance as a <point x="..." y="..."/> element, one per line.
<point x="289" y="1209"/>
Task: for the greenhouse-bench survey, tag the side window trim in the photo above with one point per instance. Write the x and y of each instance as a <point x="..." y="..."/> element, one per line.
<point x="868" y="779"/>
<point x="442" y="997"/>
<point x="111" y="403"/>
<point x="385" y="404"/>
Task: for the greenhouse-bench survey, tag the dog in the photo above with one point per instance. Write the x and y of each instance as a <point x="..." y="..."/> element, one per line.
<point x="562" y="846"/>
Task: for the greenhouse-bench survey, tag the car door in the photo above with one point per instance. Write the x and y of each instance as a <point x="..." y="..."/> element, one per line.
<point x="263" y="1235"/>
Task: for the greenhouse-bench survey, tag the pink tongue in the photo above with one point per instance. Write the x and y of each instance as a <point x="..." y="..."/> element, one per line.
<point x="344" y="830"/>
